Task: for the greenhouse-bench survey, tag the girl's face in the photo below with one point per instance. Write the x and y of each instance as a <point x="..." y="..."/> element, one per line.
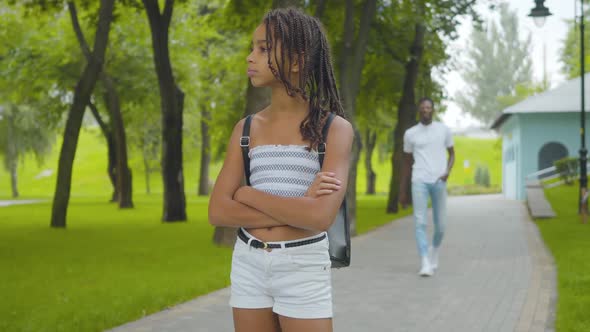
<point x="258" y="69"/>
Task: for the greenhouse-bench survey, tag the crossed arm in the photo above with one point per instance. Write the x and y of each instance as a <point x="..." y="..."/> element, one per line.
<point x="242" y="206"/>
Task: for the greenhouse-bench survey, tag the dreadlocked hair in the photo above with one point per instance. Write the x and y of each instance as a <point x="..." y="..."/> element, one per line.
<point x="302" y="40"/>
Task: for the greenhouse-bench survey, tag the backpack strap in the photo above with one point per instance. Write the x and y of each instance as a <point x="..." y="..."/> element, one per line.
<point x="245" y="145"/>
<point x="322" y="145"/>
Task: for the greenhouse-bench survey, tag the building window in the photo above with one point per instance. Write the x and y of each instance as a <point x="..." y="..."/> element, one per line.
<point x="551" y="152"/>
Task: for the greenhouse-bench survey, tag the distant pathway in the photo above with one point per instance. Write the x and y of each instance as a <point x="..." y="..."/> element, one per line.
<point x="495" y="275"/>
<point x="4" y="203"/>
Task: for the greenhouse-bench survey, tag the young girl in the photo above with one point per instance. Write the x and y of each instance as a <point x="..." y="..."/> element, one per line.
<point x="281" y="267"/>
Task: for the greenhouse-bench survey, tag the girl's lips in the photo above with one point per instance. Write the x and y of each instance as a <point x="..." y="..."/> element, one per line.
<point x="251" y="72"/>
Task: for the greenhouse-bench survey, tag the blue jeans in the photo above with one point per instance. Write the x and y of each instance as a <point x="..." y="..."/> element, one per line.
<point x="438" y="194"/>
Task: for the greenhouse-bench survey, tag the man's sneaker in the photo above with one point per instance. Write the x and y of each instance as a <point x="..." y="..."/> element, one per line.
<point x="434" y="258"/>
<point x="426" y="270"/>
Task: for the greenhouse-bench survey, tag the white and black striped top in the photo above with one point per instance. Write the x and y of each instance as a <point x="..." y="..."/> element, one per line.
<point x="283" y="170"/>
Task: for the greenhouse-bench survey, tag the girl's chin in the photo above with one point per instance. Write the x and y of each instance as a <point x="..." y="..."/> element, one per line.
<point x="257" y="83"/>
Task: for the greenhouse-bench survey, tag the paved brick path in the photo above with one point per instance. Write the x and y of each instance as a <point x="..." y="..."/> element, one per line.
<point x="18" y="202"/>
<point x="495" y="275"/>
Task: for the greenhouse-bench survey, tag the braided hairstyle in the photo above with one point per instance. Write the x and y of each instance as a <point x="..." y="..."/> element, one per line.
<point x="303" y="41"/>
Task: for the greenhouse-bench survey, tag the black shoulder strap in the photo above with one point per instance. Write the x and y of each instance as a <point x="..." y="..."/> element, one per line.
<point x="322" y="146"/>
<point x="245" y="144"/>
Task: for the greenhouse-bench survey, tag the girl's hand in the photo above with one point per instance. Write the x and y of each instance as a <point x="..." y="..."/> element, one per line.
<point x="324" y="183"/>
<point x="239" y="194"/>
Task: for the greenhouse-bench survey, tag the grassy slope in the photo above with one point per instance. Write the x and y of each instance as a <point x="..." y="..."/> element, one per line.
<point x="567" y="239"/>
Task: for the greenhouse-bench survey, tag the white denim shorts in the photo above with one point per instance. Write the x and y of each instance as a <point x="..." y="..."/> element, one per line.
<point x="295" y="282"/>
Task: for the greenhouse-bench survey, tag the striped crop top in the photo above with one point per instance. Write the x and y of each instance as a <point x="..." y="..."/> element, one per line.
<point x="283" y="170"/>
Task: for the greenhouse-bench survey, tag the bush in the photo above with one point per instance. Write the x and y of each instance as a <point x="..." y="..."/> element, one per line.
<point x="567" y="168"/>
<point x="482" y="176"/>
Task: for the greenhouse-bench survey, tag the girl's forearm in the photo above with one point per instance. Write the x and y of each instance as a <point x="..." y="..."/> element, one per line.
<point x="300" y="212"/>
<point x="232" y="213"/>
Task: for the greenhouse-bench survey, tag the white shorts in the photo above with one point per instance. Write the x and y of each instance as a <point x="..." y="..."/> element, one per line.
<point x="295" y="282"/>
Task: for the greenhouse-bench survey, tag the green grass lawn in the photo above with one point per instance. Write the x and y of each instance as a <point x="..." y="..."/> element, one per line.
<point x="112" y="266"/>
<point x="568" y="240"/>
<point x="107" y="268"/>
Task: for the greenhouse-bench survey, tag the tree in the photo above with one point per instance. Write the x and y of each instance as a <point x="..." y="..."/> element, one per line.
<point x="570" y="52"/>
<point x="116" y="134"/>
<point x="352" y="60"/>
<point x="172" y="105"/>
<point x="26" y="120"/>
<point x="497" y="61"/>
<point x="430" y="24"/>
<point x="22" y="134"/>
<point x="521" y="92"/>
<point x="82" y="93"/>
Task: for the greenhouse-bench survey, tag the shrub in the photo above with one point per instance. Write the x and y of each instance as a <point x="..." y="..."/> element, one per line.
<point x="482" y="176"/>
<point x="567" y="168"/>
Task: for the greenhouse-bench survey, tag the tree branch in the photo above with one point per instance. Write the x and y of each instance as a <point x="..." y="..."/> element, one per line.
<point x="105" y="129"/>
<point x="167" y="16"/>
<point x="79" y="34"/>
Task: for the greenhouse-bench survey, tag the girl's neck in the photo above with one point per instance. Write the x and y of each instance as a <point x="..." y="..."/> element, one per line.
<point x="281" y="104"/>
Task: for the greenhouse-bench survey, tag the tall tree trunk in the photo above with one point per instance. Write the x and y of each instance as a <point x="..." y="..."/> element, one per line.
<point x="111" y="153"/>
<point x="14" y="179"/>
<point x="172" y="103"/>
<point x="352" y="61"/>
<point x="12" y="152"/>
<point x="82" y="94"/>
<point x="320" y="8"/>
<point x="124" y="181"/>
<point x="406" y="115"/>
<point x="205" y="153"/>
<point x="148" y="171"/>
<point x="370" y="141"/>
<point x="123" y="174"/>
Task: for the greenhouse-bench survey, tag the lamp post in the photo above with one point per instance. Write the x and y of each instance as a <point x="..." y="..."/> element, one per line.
<point x="539" y="13"/>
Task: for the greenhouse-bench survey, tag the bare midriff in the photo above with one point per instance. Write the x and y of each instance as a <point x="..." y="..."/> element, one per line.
<point x="281" y="233"/>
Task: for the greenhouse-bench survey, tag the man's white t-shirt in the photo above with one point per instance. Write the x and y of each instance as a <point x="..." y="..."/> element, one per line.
<point x="428" y="144"/>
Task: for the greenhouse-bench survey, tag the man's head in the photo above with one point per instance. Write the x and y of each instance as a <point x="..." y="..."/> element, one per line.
<point x="425" y="110"/>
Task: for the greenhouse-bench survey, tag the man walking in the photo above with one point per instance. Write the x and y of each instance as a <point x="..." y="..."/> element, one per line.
<point x="426" y="146"/>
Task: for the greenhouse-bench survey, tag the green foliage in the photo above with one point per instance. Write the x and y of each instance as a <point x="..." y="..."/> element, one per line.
<point x="498" y="61"/>
<point x="521" y="92"/>
<point x="21" y="133"/>
<point x="570" y="51"/>
<point x="567" y="169"/>
<point x="482" y="176"/>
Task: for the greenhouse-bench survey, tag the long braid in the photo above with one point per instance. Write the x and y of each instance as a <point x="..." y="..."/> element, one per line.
<point x="302" y="36"/>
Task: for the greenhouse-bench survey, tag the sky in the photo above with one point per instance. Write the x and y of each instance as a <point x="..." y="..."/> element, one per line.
<point x="550" y="36"/>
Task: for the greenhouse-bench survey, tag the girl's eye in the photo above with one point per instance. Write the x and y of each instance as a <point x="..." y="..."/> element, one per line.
<point x="263" y="49"/>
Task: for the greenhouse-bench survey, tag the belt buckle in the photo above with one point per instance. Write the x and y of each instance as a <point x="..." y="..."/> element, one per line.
<point x="265" y="246"/>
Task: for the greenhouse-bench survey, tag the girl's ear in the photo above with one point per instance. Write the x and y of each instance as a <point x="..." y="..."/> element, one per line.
<point x="297" y="65"/>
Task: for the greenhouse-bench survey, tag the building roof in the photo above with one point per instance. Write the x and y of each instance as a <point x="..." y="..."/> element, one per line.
<point x="564" y="98"/>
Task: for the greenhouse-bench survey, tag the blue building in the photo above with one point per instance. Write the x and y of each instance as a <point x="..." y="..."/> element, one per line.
<point x="539" y="130"/>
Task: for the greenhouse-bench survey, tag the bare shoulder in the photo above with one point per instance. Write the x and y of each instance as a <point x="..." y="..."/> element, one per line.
<point x="239" y="127"/>
<point x="342" y="127"/>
